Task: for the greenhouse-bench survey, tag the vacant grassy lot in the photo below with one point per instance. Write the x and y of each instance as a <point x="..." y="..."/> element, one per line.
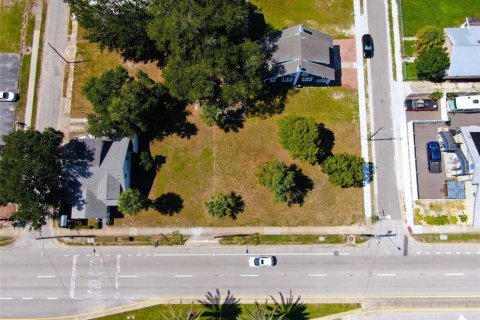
<point x="98" y="63"/>
<point x="153" y="313"/>
<point x="213" y="161"/>
<point x="442" y="13"/>
<point x="11" y="12"/>
<point x="333" y="17"/>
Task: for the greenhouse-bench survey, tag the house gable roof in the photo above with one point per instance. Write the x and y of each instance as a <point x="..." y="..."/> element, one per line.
<point x="465" y="54"/>
<point x="303" y="47"/>
<point x="97" y="176"/>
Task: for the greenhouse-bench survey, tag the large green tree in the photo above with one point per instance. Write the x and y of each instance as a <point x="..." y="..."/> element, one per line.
<point x="125" y="106"/>
<point x="277" y="177"/>
<point x="118" y="25"/>
<point x="345" y="170"/>
<point x="301" y="137"/>
<point x="30" y="174"/>
<point x="431" y="63"/>
<point x="429" y="37"/>
<point x="225" y="204"/>
<point x="132" y="202"/>
<point x="210" y="56"/>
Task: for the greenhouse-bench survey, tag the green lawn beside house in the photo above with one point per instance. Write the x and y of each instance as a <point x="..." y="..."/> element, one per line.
<point x="11" y="13"/>
<point x="334" y="17"/>
<point x="442" y="13"/>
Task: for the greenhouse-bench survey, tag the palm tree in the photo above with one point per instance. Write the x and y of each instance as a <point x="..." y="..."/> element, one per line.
<point x="261" y="313"/>
<point x="216" y="310"/>
<point x="289" y="308"/>
<point x="181" y="313"/>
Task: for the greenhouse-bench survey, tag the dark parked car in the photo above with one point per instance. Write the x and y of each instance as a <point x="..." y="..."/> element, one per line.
<point x="434" y="157"/>
<point x="421" y="105"/>
<point x="367" y="45"/>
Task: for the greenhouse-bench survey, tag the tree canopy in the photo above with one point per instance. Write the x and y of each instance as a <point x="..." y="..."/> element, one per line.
<point x="118" y="25"/>
<point x="301" y="137"/>
<point x="225" y="204"/>
<point x="277" y="177"/>
<point x="431" y="63"/>
<point x="345" y="170"/>
<point x="131" y="202"/>
<point x="125" y="106"/>
<point x="30" y="173"/>
<point x="429" y="37"/>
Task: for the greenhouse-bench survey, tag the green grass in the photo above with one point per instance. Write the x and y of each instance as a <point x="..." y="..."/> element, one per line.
<point x="392" y="39"/>
<point x="39" y="65"/>
<point x="286" y="239"/>
<point x="153" y="313"/>
<point x="462" y="237"/>
<point x="189" y="168"/>
<point x="5" y="241"/>
<point x="409" y="71"/>
<point x="11" y="12"/>
<point x="408" y="48"/>
<point x="442" y="13"/>
<point x="334" y="17"/>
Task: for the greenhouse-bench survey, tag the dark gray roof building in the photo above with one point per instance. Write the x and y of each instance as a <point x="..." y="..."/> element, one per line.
<point x="97" y="171"/>
<point x="300" y="55"/>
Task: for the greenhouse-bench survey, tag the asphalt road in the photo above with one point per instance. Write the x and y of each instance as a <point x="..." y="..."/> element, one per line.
<point x="387" y="196"/>
<point x="77" y="280"/>
<point x="49" y="107"/>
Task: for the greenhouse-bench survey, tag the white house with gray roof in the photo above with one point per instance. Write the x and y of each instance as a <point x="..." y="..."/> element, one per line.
<point x="97" y="171"/>
<point x="300" y="56"/>
<point x="463" y="46"/>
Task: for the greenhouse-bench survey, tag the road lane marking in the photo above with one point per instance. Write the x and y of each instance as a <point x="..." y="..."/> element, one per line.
<point x="458" y="252"/>
<point x="419" y="252"/>
<point x="5" y="298"/>
<point x="66" y="255"/>
<point x="386" y="274"/>
<point x="243" y="254"/>
<point x="128" y="276"/>
<point x="454" y="274"/>
<point x="249" y="275"/>
<point x="448" y="252"/>
<point x="317" y="275"/>
<point x="28" y="298"/>
<point x="52" y="298"/>
<point x="428" y="252"/>
<point x="117" y="273"/>
<point x="468" y="252"/>
<point x="183" y="276"/>
<point x="73" y="277"/>
<point x="46" y="276"/>
<point x="438" y="252"/>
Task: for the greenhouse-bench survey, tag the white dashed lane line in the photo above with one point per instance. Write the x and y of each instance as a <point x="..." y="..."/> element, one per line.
<point x="52" y="298"/>
<point x="249" y="275"/>
<point x="183" y="276"/>
<point x="386" y="274"/>
<point x="317" y="275"/>
<point x="454" y="274"/>
<point x="46" y="276"/>
<point x="128" y="276"/>
<point x="27" y="298"/>
<point x="5" y="298"/>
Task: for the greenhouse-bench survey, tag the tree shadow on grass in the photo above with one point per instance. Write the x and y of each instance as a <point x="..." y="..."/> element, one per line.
<point x="168" y="203"/>
<point x="229" y="309"/>
<point x="239" y="205"/>
<point x="269" y="101"/>
<point x="303" y="184"/>
<point x="234" y="119"/>
<point x="327" y="138"/>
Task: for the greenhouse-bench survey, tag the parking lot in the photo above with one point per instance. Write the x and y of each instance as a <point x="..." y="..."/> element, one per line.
<point x="430" y="185"/>
<point x="9" y="70"/>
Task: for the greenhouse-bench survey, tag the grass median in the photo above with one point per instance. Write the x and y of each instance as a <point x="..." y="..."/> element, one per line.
<point x="459" y="237"/>
<point x="258" y="239"/>
<point x="5" y="241"/>
<point x="154" y="312"/>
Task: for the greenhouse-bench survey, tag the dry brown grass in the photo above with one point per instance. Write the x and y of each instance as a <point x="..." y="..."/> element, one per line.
<point x="189" y="169"/>
<point x="98" y="63"/>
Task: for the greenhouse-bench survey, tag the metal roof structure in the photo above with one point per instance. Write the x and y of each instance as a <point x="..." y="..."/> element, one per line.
<point x="465" y="52"/>
<point x="455" y="190"/>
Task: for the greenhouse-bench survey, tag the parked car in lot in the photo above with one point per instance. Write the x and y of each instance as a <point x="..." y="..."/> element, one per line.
<point x="263" y="261"/>
<point x="420" y="105"/>
<point x="434" y="157"/>
<point x="367" y="45"/>
<point x="8" y="96"/>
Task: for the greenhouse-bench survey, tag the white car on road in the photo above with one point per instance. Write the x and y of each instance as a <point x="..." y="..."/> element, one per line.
<point x="263" y="261"/>
<point x="7" y="96"/>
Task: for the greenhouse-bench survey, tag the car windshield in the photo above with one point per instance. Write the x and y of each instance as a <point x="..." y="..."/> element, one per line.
<point x="4" y="95"/>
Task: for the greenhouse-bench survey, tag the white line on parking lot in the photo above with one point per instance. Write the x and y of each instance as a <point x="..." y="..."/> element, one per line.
<point x="454" y="274"/>
<point x="317" y="275"/>
<point x="183" y="276"/>
<point x="386" y="274"/>
<point x="249" y="275"/>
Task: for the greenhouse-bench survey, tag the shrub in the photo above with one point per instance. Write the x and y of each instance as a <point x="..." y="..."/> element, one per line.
<point x="301" y="137"/>
<point x="345" y="170"/>
<point x="131" y="202"/>
<point x="212" y="114"/>
<point x="276" y="176"/>
<point x="173" y="239"/>
<point x="463" y="218"/>
<point x="146" y="161"/>
<point x="431" y="63"/>
<point x="429" y="37"/>
<point x="437" y="95"/>
<point x="437" y="220"/>
<point x="453" y="220"/>
<point x="222" y="204"/>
